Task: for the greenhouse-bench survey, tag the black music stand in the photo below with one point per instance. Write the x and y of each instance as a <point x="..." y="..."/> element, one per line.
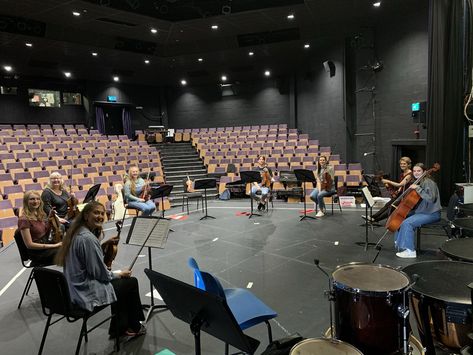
<point x="161" y="191"/>
<point x="304" y="175"/>
<point x="91" y="194"/>
<point x="152" y="232"/>
<point x="249" y="177"/>
<point x="369" y="203"/>
<point x="202" y="310"/>
<point x="207" y="183"/>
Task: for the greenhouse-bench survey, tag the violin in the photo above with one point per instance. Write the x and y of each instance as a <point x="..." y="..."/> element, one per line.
<point x="110" y="247"/>
<point x="265" y="178"/>
<point x="406" y="202"/>
<point x="55" y="227"/>
<point x="72" y="209"/>
<point x="327" y="182"/>
<point x="146" y="193"/>
<point x="189" y="185"/>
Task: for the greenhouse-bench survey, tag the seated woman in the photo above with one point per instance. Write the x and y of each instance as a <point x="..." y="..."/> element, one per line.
<point x="427" y="211"/>
<point x="396" y="189"/>
<point x="55" y="197"/>
<point x="35" y="230"/>
<point x="133" y="189"/>
<point x="263" y="186"/>
<point x="91" y="284"/>
<point x="325" y="186"/>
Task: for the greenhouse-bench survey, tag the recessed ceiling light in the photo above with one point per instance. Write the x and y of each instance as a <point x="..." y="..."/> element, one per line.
<point x="76" y="13"/>
<point x="154" y="30"/>
<point x="183" y="82"/>
<point x="200" y="59"/>
<point x="290" y="17"/>
<point x="146" y="61"/>
<point x="116" y="78"/>
<point x="67" y="74"/>
<point x="214" y="27"/>
<point x="267" y="73"/>
<point x="29" y="44"/>
<point x="224" y="78"/>
<point x="95" y="54"/>
<point x="8" y="68"/>
<point x="377" y="4"/>
<point x="251" y="53"/>
<point x="307" y="45"/>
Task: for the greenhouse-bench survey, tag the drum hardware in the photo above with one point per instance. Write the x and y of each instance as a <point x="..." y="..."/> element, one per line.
<point x="378" y="249"/>
<point x="329" y="293"/>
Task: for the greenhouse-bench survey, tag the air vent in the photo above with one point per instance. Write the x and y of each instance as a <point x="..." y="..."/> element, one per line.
<point x="42" y="64"/>
<point x="133" y="45"/>
<point x="197" y="73"/>
<point x="258" y="38"/>
<point x="117" y="22"/>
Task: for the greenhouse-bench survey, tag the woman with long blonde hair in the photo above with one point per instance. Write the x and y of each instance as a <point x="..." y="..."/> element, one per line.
<point x="90" y="282"/>
<point x="133" y="188"/>
<point x="35" y="230"/>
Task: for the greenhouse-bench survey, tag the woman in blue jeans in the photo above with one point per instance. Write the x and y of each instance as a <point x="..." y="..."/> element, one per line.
<point x="427" y="211"/>
<point x="324" y="173"/>
<point x="133" y="189"/>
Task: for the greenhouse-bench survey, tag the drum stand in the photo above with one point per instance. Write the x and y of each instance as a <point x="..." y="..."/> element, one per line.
<point x="404" y="312"/>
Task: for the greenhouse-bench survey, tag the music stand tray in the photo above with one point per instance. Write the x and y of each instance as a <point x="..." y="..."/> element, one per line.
<point x="207" y="183"/>
<point x="161" y="191"/>
<point x="202" y="310"/>
<point x="249" y="177"/>
<point x="305" y="175"/>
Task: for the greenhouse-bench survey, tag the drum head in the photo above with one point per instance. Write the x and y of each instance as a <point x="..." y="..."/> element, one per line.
<point x="459" y="249"/>
<point x="466" y="208"/>
<point x="443" y="280"/>
<point x="370" y="278"/>
<point x="465" y="224"/>
<point x="324" y="346"/>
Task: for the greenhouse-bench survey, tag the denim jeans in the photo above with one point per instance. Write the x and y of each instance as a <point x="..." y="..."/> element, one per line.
<point x="318" y="197"/>
<point x="147" y="207"/>
<point x="404" y="237"/>
<point x="264" y="192"/>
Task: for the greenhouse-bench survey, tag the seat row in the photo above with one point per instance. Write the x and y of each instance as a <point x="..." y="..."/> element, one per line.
<point x="232" y="128"/>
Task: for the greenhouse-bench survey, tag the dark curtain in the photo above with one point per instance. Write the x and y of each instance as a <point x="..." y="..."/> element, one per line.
<point x="448" y="40"/>
<point x="126" y="120"/>
<point x="99" y="119"/>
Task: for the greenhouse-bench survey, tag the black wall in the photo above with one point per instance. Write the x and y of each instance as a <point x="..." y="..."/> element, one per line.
<point x="259" y="102"/>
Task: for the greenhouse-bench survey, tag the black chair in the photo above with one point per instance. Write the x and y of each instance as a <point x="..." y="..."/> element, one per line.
<point x="55" y="299"/>
<point x="127" y="208"/>
<point x="186" y="196"/>
<point x="333" y="195"/>
<point x="26" y="262"/>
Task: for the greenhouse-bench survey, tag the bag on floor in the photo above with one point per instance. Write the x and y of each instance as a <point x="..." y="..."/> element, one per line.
<point x="225" y="195"/>
<point x="282" y="346"/>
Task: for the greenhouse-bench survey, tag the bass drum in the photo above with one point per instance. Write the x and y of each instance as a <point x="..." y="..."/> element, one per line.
<point x="367" y="297"/>
<point x="441" y="302"/>
<point x="324" y="346"/>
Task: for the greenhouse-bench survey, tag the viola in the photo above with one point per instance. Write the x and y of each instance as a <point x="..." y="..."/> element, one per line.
<point x="406" y="202"/>
<point x="55" y="226"/>
<point x="110" y="247"/>
<point x="72" y="209"/>
<point x="327" y="182"/>
<point x="146" y="192"/>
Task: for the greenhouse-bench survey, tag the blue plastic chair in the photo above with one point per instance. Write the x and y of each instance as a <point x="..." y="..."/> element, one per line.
<point x="247" y="309"/>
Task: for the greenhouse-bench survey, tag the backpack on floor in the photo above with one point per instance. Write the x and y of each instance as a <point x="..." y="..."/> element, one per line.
<point x="225" y="195"/>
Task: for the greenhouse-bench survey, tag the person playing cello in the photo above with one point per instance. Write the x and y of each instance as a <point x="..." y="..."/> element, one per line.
<point x="426" y="212"/>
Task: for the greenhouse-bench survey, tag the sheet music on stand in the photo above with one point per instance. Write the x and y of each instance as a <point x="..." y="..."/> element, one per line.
<point x="141" y="228"/>
<point x="368" y="197"/>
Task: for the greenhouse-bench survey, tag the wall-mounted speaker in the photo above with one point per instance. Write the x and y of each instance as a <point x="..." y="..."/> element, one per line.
<point x="329" y="67"/>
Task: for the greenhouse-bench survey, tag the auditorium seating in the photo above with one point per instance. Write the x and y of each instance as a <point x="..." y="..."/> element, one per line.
<point x="29" y="153"/>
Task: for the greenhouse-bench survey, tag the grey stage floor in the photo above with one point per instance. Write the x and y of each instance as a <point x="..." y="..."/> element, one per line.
<point x="274" y="252"/>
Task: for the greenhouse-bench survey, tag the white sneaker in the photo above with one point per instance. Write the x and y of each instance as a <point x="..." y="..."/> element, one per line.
<point x="407" y="254"/>
<point x="320" y="214"/>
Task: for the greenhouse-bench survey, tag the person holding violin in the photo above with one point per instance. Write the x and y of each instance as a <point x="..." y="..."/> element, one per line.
<point x="35" y="230"/>
<point x="55" y="197"/>
<point x="91" y="283"/>
<point x="135" y="192"/>
<point x="263" y="186"/>
<point x="426" y="212"/>
<point x="395" y="188"/>
<point x="324" y="176"/>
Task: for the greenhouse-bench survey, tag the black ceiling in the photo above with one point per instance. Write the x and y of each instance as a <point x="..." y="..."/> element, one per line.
<point x="119" y="31"/>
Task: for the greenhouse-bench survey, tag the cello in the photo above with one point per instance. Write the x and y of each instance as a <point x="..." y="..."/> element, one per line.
<point x="407" y="201"/>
